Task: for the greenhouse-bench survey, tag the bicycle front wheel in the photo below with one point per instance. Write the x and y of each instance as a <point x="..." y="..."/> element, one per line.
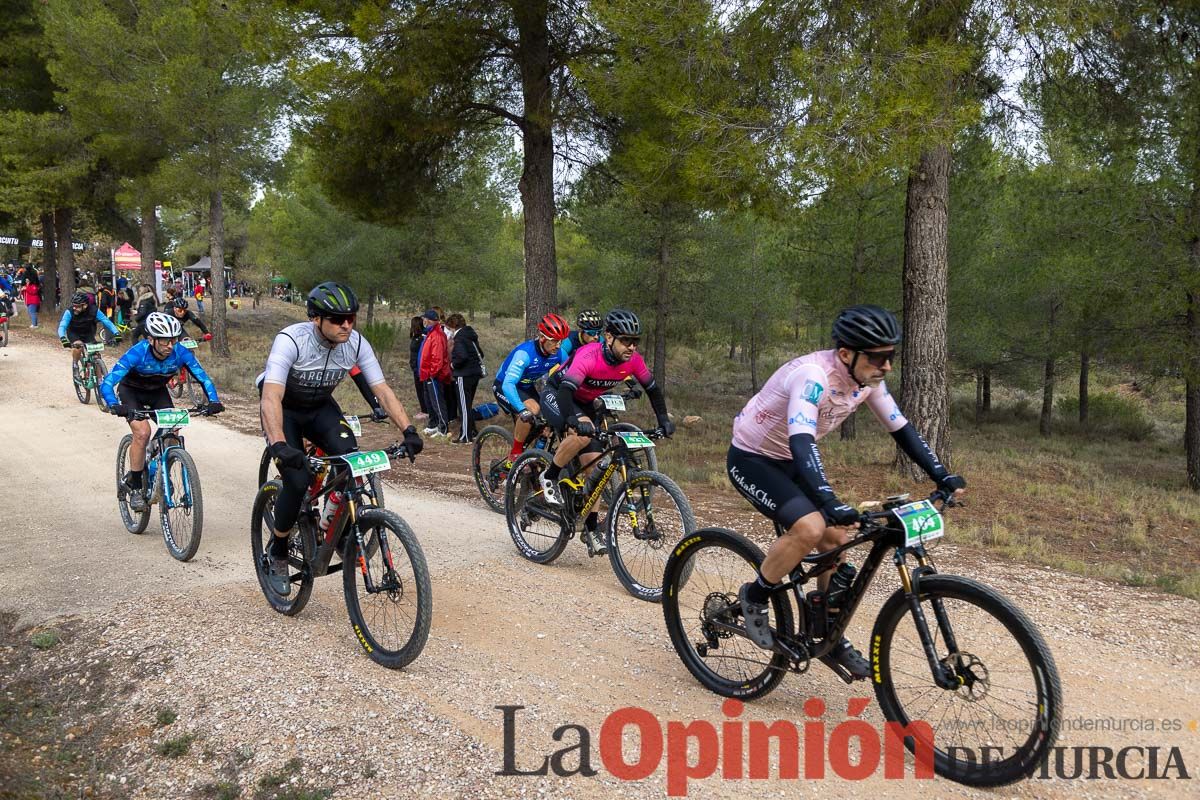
<point x="264" y="467"/>
<point x="302" y="549"/>
<point x="79" y="378"/>
<point x="135" y="521"/>
<point x="490" y="451"/>
<point x="1001" y="720"/>
<point x="182" y="508"/>
<point x="537" y="528"/>
<point x="643" y="525"/>
<point x="99" y="371"/>
<point x="704" y="617"/>
<point x="388" y="593"/>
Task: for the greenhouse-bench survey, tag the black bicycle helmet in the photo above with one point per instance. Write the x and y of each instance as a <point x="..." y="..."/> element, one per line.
<point x="179" y="302"/>
<point x="331" y="297"/>
<point x="589" y="320"/>
<point x="866" y="326"/>
<point x="80" y="299"/>
<point x="622" y="322"/>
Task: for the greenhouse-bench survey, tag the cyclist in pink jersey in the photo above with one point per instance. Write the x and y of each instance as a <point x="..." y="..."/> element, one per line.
<point x="774" y="463"/>
<point x="567" y="402"/>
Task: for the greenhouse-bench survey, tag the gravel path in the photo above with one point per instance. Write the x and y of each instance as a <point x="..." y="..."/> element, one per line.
<point x="257" y="689"/>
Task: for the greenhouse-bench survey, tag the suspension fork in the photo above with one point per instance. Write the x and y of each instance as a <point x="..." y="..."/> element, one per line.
<point x="942" y="676"/>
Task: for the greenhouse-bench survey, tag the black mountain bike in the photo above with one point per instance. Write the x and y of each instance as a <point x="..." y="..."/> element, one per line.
<point x="374" y="481"/>
<point x="384" y="575"/>
<point x="88" y="373"/>
<point x="173" y="482"/>
<point x="945" y="649"/>
<point x="647" y="511"/>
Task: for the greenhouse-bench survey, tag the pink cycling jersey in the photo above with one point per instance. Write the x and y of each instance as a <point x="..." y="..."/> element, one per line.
<point x="593" y="375"/>
<point x="811" y="394"/>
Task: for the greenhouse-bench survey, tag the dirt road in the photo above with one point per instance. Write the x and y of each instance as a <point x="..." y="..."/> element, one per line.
<point x="269" y="700"/>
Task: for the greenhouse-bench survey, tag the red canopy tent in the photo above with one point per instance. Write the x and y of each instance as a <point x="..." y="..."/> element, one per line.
<point x="126" y="257"/>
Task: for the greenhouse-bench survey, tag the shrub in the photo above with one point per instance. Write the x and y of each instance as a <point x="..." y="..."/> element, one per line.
<point x="1108" y="413"/>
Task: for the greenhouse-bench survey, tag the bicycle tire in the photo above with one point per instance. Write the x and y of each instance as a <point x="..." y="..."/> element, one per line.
<point x="693" y="590"/>
<point x="79" y="379"/>
<point x="647" y="462"/>
<point x="175" y="387"/>
<point x="484" y="477"/>
<point x="1046" y="708"/>
<point x="264" y="467"/>
<point x="100" y="371"/>
<point x="302" y="549"/>
<point x="134" y="521"/>
<point x="4" y="334"/>
<point x="521" y="489"/>
<point x="195" y="390"/>
<point x="639" y="557"/>
<point x="174" y="520"/>
<point x="412" y="636"/>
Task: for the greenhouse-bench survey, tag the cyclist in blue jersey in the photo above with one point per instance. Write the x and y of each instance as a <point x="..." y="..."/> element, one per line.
<point x="514" y="387"/>
<point x="588" y="330"/>
<point x="140" y="378"/>
<point x="78" y="325"/>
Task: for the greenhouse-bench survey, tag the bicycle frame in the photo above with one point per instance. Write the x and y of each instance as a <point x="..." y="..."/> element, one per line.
<point x="328" y="479"/>
<point x="161" y="442"/>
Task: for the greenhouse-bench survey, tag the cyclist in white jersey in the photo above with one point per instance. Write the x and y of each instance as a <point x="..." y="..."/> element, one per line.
<point x="774" y="463"/>
<point x="307" y="362"/>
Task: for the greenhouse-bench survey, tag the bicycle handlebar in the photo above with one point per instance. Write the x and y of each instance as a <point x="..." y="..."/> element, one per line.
<point x="394" y="450"/>
<point x="142" y="413"/>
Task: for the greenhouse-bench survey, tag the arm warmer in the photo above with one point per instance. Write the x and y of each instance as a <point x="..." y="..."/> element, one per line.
<point x="915" y="447"/>
<point x="658" y="401"/>
<point x="360" y="381"/>
<point x="565" y="394"/>
<point x="809" y="470"/>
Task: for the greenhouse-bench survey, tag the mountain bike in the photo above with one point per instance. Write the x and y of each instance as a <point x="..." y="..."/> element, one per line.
<point x="124" y="329"/>
<point x="171" y="481"/>
<point x="652" y="506"/>
<point x="490" y="463"/>
<point x="374" y="480"/>
<point x="182" y="382"/>
<point x="384" y="575"/>
<point x="88" y="373"/>
<point x="945" y="650"/>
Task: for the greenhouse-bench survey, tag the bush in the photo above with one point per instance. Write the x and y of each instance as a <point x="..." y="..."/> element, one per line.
<point x="382" y="335"/>
<point x="1108" y="413"/>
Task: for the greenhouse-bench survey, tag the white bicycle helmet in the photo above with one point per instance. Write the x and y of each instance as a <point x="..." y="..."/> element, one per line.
<point x="163" y="326"/>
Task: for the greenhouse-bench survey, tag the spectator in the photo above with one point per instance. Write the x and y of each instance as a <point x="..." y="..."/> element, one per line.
<point x="416" y="336"/>
<point x="434" y="372"/>
<point x="198" y="293"/>
<point x="466" y="367"/>
<point x="32" y="295"/>
<point x="124" y="302"/>
<point x="147" y="303"/>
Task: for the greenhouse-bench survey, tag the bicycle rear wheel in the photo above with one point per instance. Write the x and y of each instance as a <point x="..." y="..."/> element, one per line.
<point x="175" y="387"/>
<point x="391" y="618"/>
<point x="195" y="389"/>
<point x="3" y="334"/>
<point x="302" y="549"/>
<point x="100" y="371"/>
<point x="537" y="529"/>
<point x="182" y="508"/>
<point x="135" y="521"/>
<point x="704" y="618"/>
<point x="490" y="451"/>
<point x="79" y="378"/>
<point x="1008" y="697"/>
<point x="648" y="516"/>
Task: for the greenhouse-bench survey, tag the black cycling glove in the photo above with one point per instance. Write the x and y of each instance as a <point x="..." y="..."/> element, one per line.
<point x="526" y="416"/>
<point x="65" y="341"/>
<point x="215" y="407"/>
<point x="412" y="441"/>
<point x="119" y="410"/>
<point x="287" y="456"/>
<point x="668" y="427"/>
<point x="950" y="483"/>
<point x="582" y="425"/>
<point x="838" y="513"/>
<point x="379" y="415"/>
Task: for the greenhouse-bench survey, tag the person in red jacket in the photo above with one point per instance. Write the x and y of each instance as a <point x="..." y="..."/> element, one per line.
<point x="32" y="295"/>
<point x="435" y="373"/>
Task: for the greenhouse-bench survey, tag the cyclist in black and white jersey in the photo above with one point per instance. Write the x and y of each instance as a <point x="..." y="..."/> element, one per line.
<point x="306" y="363"/>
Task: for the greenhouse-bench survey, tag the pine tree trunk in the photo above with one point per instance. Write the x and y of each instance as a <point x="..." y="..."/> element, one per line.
<point x="370" y="308"/>
<point x="49" y="264"/>
<point x="754" y="384"/>
<point x="978" y="397"/>
<point x="1083" y="387"/>
<point x="537" y="177"/>
<point x="1046" y="417"/>
<point x="216" y="280"/>
<point x="63" y="218"/>
<point x="733" y="341"/>
<point x="849" y="431"/>
<point x="987" y="390"/>
<point x="1191" y="433"/>
<point x="149" y="230"/>
<point x="662" y="312"/>
<point x="924" y="392"/>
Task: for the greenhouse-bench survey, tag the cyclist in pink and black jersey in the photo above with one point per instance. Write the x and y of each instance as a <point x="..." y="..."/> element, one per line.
<point x="567" y="401"/>
<point x="774" y="463"/>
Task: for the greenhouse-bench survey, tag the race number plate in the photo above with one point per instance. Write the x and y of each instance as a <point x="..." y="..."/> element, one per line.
<point x="613" y="402"/>
<point x="368" y="462"/>
<point x="355" y="425"/>
<point x="93" y="348"/>
<point x="635" y="439"/>
<point x="190" y="344"/>
<point x="172" y="417"/>
<point x="922" y="522"/>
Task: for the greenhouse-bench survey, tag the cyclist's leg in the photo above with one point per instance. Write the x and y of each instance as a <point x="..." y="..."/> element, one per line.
<point x="293" y="481"/>
<point x="328" y="430"/>
<point x="140" y="428"/>
<point x="521" y="430"/>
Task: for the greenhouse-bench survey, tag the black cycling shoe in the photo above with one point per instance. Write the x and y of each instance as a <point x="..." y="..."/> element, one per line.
<point x="278" y="576"/>
<point x="849" y="659"/>
<point x="757" y="626"/>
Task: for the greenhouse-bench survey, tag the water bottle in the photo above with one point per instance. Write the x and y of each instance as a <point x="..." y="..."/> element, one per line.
<point x="817" y="616"/>
<point x="332" y="503"/>
<point x="839" y="584"/>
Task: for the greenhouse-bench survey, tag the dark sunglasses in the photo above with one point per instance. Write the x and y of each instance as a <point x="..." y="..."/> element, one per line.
<point x="595" y="334"/>
<point x="629" y="341"/>
<point x="341" y="319"/>
<point x="880" y="358"/>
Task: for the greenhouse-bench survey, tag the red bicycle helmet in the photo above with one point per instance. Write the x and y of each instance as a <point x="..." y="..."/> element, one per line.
<point x="554" y="327"/>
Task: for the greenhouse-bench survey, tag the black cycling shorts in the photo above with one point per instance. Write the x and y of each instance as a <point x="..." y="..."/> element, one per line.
<point x="327" y="429"/>
<point x="770" y="485"/>
<point x="144" y="399"/>
<point x="554" y="418"/>
<point x="523" y="391"/>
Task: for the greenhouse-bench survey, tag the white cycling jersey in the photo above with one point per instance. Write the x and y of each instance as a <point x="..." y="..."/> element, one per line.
<point x="302" y="361"/>
<point x="811" y="394"/>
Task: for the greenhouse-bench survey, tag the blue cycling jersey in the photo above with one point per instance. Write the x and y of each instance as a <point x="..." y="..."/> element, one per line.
<point x="524" y="365"/>
<point x="83" y="327"/>
<point x="139" y="368"/>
